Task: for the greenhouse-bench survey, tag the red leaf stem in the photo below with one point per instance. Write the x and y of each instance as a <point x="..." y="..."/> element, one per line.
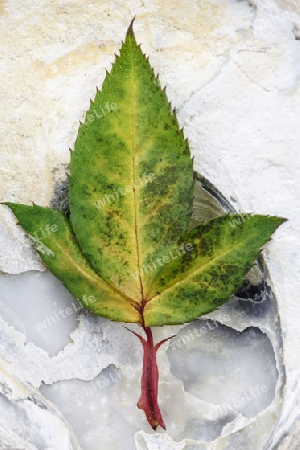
<point x="149" y="382"/>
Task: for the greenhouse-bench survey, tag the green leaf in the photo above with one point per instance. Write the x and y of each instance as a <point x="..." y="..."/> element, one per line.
<point x="129" y="252"/>
<point x="210" y="264"/>
<point x="131" y="191"/>
<point x="52" y="237"/>
<point x="131" y="182"/>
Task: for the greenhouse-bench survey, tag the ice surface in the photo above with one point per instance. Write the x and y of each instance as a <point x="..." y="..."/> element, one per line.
<point x="225" y="367"/>
<point x="90" y="409"/>
<point x="49" y="310"/>
<point x="210" y="374"/>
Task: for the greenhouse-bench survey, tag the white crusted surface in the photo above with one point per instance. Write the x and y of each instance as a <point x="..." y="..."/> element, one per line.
<point x="232" y="72"/>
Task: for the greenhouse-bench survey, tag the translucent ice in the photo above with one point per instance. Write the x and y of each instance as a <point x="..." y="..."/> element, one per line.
<point x="38" y="305"/>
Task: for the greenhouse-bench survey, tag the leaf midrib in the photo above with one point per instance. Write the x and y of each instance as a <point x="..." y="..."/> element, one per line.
<point x="133" y="150"/>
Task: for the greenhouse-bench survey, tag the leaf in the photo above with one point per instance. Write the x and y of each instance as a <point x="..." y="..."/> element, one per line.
<point x="131" y="191"/>
<point x="126" y="252"/>
<point x="52" y="236"/>
<point x="197" y="281"/>
<point x="131" y="182"/>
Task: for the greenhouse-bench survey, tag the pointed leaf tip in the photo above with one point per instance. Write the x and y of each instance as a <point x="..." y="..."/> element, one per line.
<point x="130" y="28"/>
